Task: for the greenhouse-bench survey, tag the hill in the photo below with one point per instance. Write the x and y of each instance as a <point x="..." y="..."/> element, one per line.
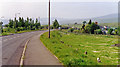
<point x="111" y="18"/>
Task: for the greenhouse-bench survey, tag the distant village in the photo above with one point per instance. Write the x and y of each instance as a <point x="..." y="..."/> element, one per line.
<point x="104" y="29"/>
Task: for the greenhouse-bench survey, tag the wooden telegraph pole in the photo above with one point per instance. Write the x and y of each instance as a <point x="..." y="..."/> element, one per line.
<point x="49" y="21"/>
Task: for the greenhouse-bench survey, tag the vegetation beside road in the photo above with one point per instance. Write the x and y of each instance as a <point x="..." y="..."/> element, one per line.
<point x="12" y="31"/>
<point x="25" y="25"/>
<point x="70" y="48"/>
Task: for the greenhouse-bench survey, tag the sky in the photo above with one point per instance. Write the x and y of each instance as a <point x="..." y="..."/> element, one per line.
<point x="59" y="8"/>
<point x="60" y="0"/>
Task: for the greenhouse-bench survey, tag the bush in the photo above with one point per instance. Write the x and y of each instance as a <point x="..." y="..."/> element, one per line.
<point x="110" y="31"/>
<point x="91" y="27"/>
<point x="55" y="24"/>
<point x="116" y="31"/>
<point x="70" y="30"/>
<point x="98" y="31"/>
<point x="33" y="28"/>
<point x="18" y="29"/>
<point x="83" y="31"/>
<point x="76" y="31"/>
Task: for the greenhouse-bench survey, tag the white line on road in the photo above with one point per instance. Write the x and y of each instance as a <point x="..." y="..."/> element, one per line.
<point x="23" y="54"/>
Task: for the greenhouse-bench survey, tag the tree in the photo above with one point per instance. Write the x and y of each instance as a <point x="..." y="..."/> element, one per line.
<point x="55" y="24"/>
<point x="75" y="23"/>
<point x="91" y="27"/>
<point x="83" y="27"/>
<point x="26" y="24"/>
<point x="30" y="23"/>
<point x="39" y="25"/>
<point x="88" y="28"/>
<point x="84" y="22"/>
<point x="22" y="22"/>
<point x="15" y="23"/>
<point x="1" y="27"/>
<point x="11" y="23"/>
<point x="90" y="21"/>
<point x="36" y="24"/>
<point x="6" y="25"/>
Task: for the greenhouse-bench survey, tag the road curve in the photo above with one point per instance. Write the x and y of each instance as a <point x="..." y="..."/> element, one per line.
<point x="12" y="46"/>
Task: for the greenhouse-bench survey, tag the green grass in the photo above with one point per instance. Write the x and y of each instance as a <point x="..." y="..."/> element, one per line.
<point x="102" y="24"/>
<point x="70" y="48"/>
<point x="12" y="31"/>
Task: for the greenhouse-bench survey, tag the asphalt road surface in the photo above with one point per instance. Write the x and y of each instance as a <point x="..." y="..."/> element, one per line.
<point x="12" y="47"/>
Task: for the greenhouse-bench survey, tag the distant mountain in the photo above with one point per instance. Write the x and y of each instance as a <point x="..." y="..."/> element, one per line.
<point x="111" y="18"/>
<point x="108" y="16"/>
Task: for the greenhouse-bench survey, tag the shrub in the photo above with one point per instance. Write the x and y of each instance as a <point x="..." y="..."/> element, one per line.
<point x="91" y="27"/>
<point x="98" y="31"/>
<point x="83" y="31"/>
<point x="70" y="30"/>
<point x="116" y="31"/>
<point x="76" y="31"/>
<point x="55" y="24"/>
<point x="18" y="29"/>
<point x="110" y="31"/>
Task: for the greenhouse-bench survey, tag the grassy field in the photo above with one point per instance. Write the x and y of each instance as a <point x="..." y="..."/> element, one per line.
<point x="74" y="25"/>
<point x="109" y="24"/>
<point x="70" y="48"/>
<point x="102" y="24"/>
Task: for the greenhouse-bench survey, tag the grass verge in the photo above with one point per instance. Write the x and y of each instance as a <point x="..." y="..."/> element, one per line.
<point x="13" y="32"/>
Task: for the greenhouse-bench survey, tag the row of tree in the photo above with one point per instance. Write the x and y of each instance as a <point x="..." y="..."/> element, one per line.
<point x="24" y="24"/>
<point x="28" y="24"/>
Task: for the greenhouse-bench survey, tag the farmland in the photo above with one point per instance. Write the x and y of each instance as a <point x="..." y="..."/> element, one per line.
<point x="70" y="48"/>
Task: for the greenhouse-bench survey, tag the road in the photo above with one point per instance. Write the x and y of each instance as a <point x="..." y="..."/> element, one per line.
<point x="12" y="47"/>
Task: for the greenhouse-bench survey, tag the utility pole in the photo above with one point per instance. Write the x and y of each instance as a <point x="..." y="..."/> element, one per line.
<point x="49" y="21"/>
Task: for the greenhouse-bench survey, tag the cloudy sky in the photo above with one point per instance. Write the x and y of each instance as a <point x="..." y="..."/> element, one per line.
<point x="59" y="8"/>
